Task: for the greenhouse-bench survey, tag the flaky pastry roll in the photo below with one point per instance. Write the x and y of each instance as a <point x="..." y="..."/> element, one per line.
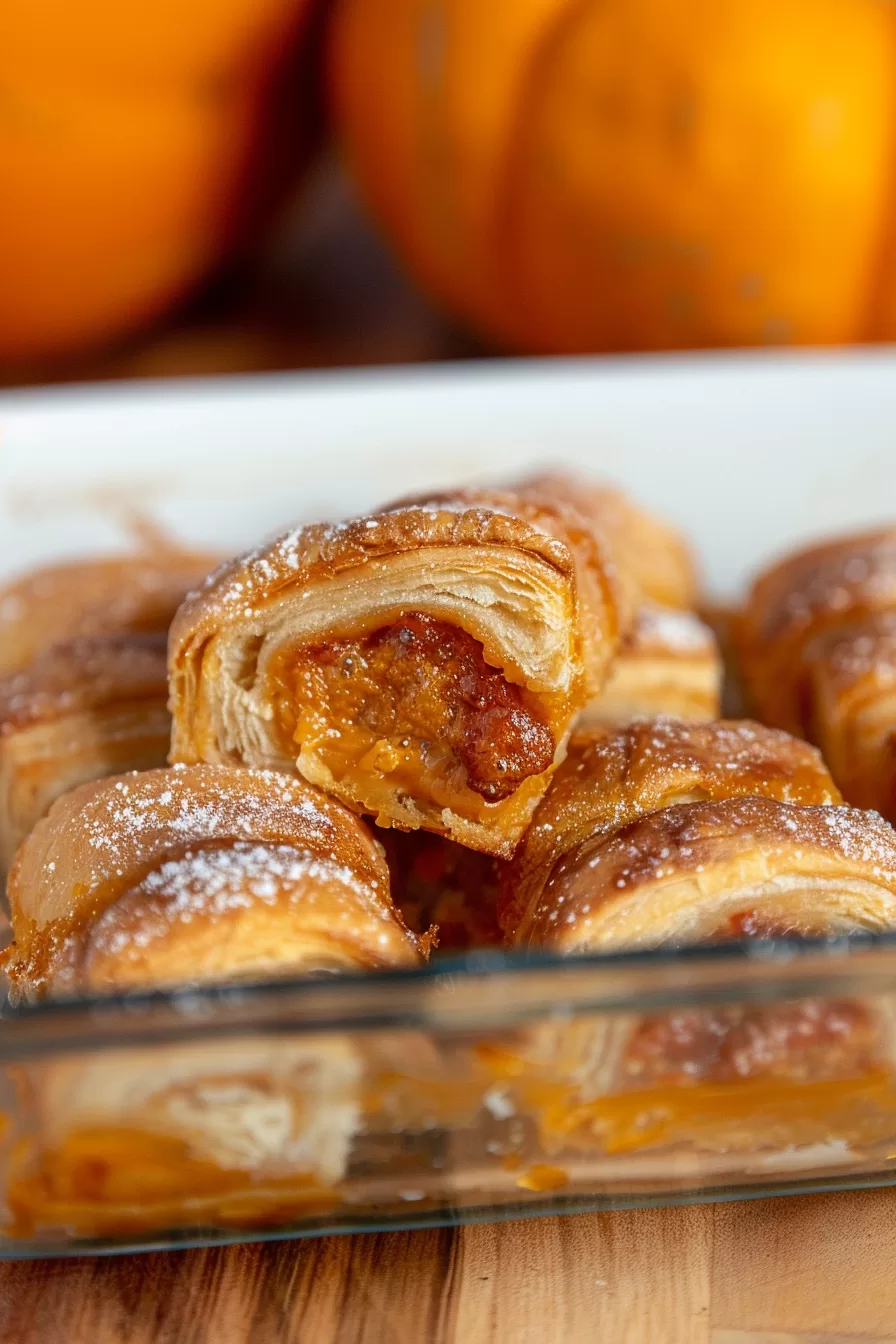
<point x="654" y="555"/>
<point x="135" y="592"/>
<point x="668" y="663"/>
<point x="424" y="665"/>
<point x="83" y="709"/>
<point x="188" y="875"/>
<point x="816" y="643"/>
<point x="668" y="833"/>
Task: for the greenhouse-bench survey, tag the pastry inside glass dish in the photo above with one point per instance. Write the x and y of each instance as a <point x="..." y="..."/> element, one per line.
<point x="424" y="665"/>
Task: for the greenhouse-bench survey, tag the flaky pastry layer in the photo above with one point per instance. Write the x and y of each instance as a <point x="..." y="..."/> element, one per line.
<point x="668" y="663"/>
<point x="134" y="592"/>
<point x="700" y="872"/>
<point x="83" y="709"/>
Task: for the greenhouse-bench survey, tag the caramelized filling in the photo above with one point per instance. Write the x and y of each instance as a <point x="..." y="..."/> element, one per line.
<point x="122" y="1181"/>
<point x="417" y="702"/>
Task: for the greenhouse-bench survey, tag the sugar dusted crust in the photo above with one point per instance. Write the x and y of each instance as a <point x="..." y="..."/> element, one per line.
<point x="611" y="779"/>
<point x="668" y="664"/>
<point x="82" y="891"/>
<point x="83" y="709"/>
<point x="709" y="870"/>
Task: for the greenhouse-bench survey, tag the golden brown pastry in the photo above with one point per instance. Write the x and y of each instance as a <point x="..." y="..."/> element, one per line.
<point x="424" y="665"/>
<point x="86" y="708"/>
<point x="197" y="874"/>
<point x="668" y="663"/>
<point x="851" y="697"/>
<point x="653" y="554"/>
<point x="136" y="592"/>
<point x="816" y="644"/>
<point x="671" y="833"/>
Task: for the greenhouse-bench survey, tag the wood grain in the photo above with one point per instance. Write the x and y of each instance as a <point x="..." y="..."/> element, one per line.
<point x="818" y="1270"/>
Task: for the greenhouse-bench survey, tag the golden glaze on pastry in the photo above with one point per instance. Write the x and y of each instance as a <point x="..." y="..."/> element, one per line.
<point x="816" y="644"/>
<point x="651" y="552"/>
<point x="424" y="665"/>
<point x="745" y="867"/>
<point x="668" y="663"/>
<point x="610" y="780"/>
<point x="852" y="708"/>
<point x="86" y="708"/>
<point x="135" y="592"/>
<point x="813" y="592"/>
<point x="195" y="874"/>
<point x="674" y="833"/>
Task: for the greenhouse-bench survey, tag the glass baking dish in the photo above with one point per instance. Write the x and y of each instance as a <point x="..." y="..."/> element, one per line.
<point x="491" y="1086"/>
<point x="488" y="1086"/>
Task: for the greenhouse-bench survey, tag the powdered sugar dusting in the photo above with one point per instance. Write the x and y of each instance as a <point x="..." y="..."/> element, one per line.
<point x="212" y="883"/>
<point x="669" y="630"/>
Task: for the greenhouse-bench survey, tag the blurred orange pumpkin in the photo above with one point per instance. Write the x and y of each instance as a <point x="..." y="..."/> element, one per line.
<point x="573" y="175"/>
<point x="132" y="150"/>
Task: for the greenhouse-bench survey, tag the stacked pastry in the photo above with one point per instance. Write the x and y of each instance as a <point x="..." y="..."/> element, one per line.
<point x="83" y="686"/>
<point x="480" y="671"/>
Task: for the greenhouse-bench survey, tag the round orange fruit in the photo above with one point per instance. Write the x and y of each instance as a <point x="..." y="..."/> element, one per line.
<point x="628" y="174"/>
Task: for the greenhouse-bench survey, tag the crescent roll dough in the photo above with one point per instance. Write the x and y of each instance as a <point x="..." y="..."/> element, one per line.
<point x="817" y="645"/>
<point x="652" y="554"/>
<point x="668" y="663"/>
<point x="424" y="665"/>
<point x="135" y="592"/>
<point x="669" y="833"/>
<point x="86" y="708"/>
<point x="197" y="874"/>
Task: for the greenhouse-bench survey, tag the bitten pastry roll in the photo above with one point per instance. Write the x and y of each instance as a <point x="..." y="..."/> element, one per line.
<point x="817" y="644"/>
<point x="424" y="665"/>
<point x="669" y="833"/>
<point x="668" y="663"/>
<point x="83" y="709"/>
<point x="134" y="592"/>
<point x="197" y="874"/>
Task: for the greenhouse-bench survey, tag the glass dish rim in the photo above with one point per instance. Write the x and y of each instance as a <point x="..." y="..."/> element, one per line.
<point x="510" y="987"/>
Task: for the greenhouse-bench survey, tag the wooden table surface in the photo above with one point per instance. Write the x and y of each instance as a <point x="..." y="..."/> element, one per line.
<point x="814" y="1270"/>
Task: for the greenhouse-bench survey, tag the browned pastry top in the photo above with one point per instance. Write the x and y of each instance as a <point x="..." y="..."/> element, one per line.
<point x="79" y="675"/>
<point x="319" y="551"/>
<point x="865" y="648"/>
<point x="613" y="889"/>
<point x="800" y="598"/>
<point x="610" y="779"/>
<point x="103" y="840"/>
<point x="135" y="592"/>
<point x="650" y="551"/>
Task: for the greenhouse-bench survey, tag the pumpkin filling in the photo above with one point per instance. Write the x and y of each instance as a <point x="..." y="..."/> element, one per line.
<point x="414" y="704"/>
